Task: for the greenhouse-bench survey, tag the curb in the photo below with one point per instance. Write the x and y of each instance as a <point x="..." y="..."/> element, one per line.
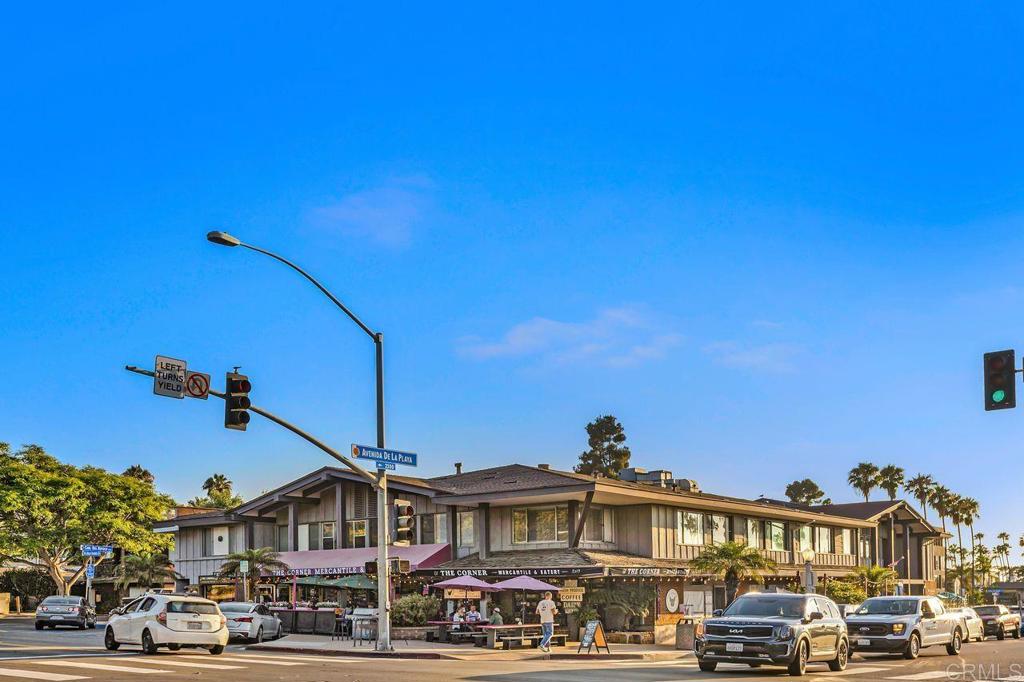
<point x="656" y="656"/>
<point x="338" y="652"/>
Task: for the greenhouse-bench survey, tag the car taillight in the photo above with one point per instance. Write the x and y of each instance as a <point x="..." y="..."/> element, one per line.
<point x="43" y="608"/>
<point x="162" y="617"/>
<point x="244" y="619"/>
<point x="223" y="620"/>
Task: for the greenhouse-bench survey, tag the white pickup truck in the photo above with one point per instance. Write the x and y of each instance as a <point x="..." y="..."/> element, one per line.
<point x="905" y="625"/>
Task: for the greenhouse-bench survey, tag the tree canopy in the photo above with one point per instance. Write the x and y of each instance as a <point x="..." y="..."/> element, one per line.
<point x="48" y="509"/>
<point x="863" y="478"/>
<point x="607" y="454"/>
<point x="219" y="494"/>
<point x="806" y="492"/>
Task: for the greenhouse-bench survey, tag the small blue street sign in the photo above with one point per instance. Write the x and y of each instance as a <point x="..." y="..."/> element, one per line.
<point x="96" y="550"/>
<point x="382" y="455"/>
<point x="90" y="571"/>
<point x="385" y="466"/>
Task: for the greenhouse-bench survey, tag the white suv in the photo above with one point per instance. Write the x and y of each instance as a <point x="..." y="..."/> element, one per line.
<point x="171" y="620"/>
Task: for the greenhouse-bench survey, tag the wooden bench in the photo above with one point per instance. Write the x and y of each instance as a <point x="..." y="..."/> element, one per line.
<point x="457" y="636"/>
<point x="533" y="640"/>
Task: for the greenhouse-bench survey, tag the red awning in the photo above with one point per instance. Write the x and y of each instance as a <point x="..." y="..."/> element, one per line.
<point x="353" y="560"/>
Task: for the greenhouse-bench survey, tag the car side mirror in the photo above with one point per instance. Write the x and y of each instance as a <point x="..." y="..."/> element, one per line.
<point x="116" y="612"/>
<point x="815" y="615"/>
<point x="716" y="613"/>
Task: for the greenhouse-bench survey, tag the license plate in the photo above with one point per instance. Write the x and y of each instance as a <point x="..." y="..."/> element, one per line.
<point x="734" y="646"/>
<point x="863" y="642"/>
<point x="56" y="617"/>
<point x="195" y="626"/>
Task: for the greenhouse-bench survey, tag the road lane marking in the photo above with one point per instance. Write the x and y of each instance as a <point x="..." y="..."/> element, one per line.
<point x="855" y="670"/>
<point x="930" y="675"/>
<point x="239" y="659"/>
<point x="37" y="675"/>
<point x="102" y="666"/>
<point x="162" y="660"/>
<point x="302" y="657"/>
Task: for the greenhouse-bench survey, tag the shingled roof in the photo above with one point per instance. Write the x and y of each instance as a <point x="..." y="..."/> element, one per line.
<point x="505" y="478"/>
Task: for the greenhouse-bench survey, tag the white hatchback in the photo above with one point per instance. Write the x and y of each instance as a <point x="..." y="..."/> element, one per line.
<point x="171" y="620"/>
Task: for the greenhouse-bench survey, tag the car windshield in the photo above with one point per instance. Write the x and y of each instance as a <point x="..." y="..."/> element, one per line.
<point x="62" y="601"/>
<point x="767" y="607"/>
<point x="191" y="607"/>
<point x="986" y="610"/>
<point x="236" y="608"/>
<point x="888" y="607"/>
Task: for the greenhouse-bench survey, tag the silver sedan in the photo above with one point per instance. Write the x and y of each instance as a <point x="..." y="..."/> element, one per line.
<point x="974" y="627"/>
<point x="253" y="622"/>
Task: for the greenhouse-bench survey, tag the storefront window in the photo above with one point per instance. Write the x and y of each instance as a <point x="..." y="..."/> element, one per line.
<point x="719" y="529"/>
<point x="689" y="528"/>
<point x="540" y="524"/>
<point x="466" y="531"/>
<point x="776" y="532"/>
<point x="755" y="537"/>
<point x="823" y="540"/>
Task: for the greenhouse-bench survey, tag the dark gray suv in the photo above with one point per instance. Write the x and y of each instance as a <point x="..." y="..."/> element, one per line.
<point x="780" y="629"/>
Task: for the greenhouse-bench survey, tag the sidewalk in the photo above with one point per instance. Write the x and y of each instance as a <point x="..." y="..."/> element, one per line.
<point x="414" y="648"/>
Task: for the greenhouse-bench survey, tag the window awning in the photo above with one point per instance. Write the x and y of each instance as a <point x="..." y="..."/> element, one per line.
<point x="353" y="560"/>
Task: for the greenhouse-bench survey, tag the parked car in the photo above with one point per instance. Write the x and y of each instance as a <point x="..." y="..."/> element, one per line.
<point x="789" y="630"/>
<point x="75" y="611"/>
<point x="999" y="621"/>
<point x="253" y="622"/>
<point x="171" y="620"/>
<point x="905" y="625"/>
<point x="974" y="626"/>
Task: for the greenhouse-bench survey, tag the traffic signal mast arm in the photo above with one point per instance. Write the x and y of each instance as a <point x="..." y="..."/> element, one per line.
<point x="291" y="427"/>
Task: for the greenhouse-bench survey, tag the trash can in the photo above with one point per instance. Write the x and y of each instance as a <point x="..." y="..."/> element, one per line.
<point x="685" y="631"/>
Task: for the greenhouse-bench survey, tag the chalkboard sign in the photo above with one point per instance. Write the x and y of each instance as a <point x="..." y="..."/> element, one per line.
<point x="593" y="636"/>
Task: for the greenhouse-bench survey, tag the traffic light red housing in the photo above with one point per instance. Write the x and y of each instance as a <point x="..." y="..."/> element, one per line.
<point x="403" y="523"/>
<point x="1000" y="380"/>
<point x="236" y="401"/>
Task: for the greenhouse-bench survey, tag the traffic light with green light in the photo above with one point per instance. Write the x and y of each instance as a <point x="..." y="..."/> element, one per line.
<point x="1000" y="386"/>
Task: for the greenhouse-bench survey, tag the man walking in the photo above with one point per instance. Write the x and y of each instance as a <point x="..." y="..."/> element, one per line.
<point x="546" y="610"/>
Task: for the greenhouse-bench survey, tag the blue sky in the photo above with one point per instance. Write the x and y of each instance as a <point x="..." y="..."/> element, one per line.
<point x="774" y="241"/>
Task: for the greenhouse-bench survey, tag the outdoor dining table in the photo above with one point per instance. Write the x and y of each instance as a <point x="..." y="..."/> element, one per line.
<point x="516" y="630"/>
<point x="445" y="627"/>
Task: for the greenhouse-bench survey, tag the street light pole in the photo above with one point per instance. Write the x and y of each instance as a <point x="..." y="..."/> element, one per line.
<point x="383" y="569"/>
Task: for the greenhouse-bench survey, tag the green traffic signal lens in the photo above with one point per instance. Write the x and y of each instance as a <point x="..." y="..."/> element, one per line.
<point x="998" y="396"/>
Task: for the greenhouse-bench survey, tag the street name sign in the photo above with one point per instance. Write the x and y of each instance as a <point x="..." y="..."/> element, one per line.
<point x="96" y="550"/>
<point x="385" y="466"/>
<point x="382" y="455"/>
<point x="197" y="385"/>
<point x="90" y="571"/>
<point x="169" y="377"/>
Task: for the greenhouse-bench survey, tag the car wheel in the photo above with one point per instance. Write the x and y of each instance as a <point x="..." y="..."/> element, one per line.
<point x="217" y="649"/>
<point x="1016" y="633"/>
<point x="259" y="635"/>
<point x="913" y="649"/>
<point x="1001" y="635"/>
<point x="838" y="664"/>
<point x="148" y="645"/>
<point x="799" y="665"/>
<point x="39" y="626"/>
<point x="953" y="648"/>
<point x="707" y="666"/>
<point x="109" y="642"/>
<point x="174" y="647"/>
<point x="92" y="625"/>
<point x="83" y="625"/>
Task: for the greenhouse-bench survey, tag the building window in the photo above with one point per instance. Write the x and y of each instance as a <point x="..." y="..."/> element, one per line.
<point x="207" y="542"/>
<point x="327" y="533"/>
<point x="823" y="540"/>
<point x="433" y="528"/>
<point x="806" y="538"/>
<point x="466" y="534"/>
<point x="689" y="528"/>
<point x="356" y="536"/>
<point x="282" y="539"/>
<point x="848" y="547"/>
<point x="755" y="537"/>
<point x="776" y="534"/>
<point x="598" y="527"/>
<point x="719" y="529"/>
<point x="540" y="524"/>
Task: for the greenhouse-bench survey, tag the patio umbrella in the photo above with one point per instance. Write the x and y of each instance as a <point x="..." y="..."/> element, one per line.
<point x="524" y="584"/>
<point x="467" y="582"/>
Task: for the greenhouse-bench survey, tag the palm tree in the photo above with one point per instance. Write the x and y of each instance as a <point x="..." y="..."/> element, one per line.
<point x="890" y="479"/>
<point x="940" y="497"/>
<point x="732" y="561"/>
<point x="971" y="510"/>
<point x="920" y="487"/>
<point x="955" y="509"/>
<point x="218" y="483"/>
<point x="876" y="579"/>
<point x="147" y="570"/>
<point x="260" y="560"/>
<point x="864" y="478"/>
<point x="139" y="472"/>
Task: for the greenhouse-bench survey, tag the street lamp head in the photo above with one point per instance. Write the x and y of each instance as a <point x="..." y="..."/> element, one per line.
<point x="222" y="238"/>
<point x="808" y="555"/>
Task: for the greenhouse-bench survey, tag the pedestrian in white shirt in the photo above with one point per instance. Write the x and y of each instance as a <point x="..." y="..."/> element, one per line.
<point x="547" y="611"/>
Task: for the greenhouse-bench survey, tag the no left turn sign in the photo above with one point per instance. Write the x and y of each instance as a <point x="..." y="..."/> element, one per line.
<point x="197" y="385"/>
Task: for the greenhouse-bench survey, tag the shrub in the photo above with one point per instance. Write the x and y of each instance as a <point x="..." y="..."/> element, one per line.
<point x="845" y="592"/>
<point x="414" y="610"/>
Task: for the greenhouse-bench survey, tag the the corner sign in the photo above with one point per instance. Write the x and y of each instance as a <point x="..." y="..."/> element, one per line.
<point x="385" y="456"/>
<point x="169" y="377"/>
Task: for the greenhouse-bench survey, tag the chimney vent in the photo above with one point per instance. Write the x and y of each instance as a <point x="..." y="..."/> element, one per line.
<point x="458" y="468"/>
<point x="544" y="466"/>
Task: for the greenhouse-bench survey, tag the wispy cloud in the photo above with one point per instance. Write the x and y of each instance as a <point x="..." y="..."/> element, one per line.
<point x="769" y="357"/>
<point x="386" y="214"/>
<point x="615" y="337"/>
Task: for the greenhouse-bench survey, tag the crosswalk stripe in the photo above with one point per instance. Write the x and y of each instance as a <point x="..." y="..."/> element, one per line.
<point x="303" y="657"/>
<point x="163" y="660"/>
<point x="238" y="659"/>
<point x="38" y="675"/>
<point x="101" y="666"/>
<point x="856" y="670"/>
<point x="930" y="675"/>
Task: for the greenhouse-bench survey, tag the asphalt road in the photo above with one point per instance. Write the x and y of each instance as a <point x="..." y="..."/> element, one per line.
<point x="68" y="655"/>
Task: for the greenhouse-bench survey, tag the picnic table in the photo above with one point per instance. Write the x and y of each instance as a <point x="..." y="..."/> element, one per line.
<point x="447" y="630"/>
<point x="516" y="632"/>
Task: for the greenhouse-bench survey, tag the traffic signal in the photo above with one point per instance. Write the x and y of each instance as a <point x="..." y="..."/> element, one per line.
<point x="1000" y="386"/>
<point x="236" y="401"/>
<point x="403" y="523"/>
